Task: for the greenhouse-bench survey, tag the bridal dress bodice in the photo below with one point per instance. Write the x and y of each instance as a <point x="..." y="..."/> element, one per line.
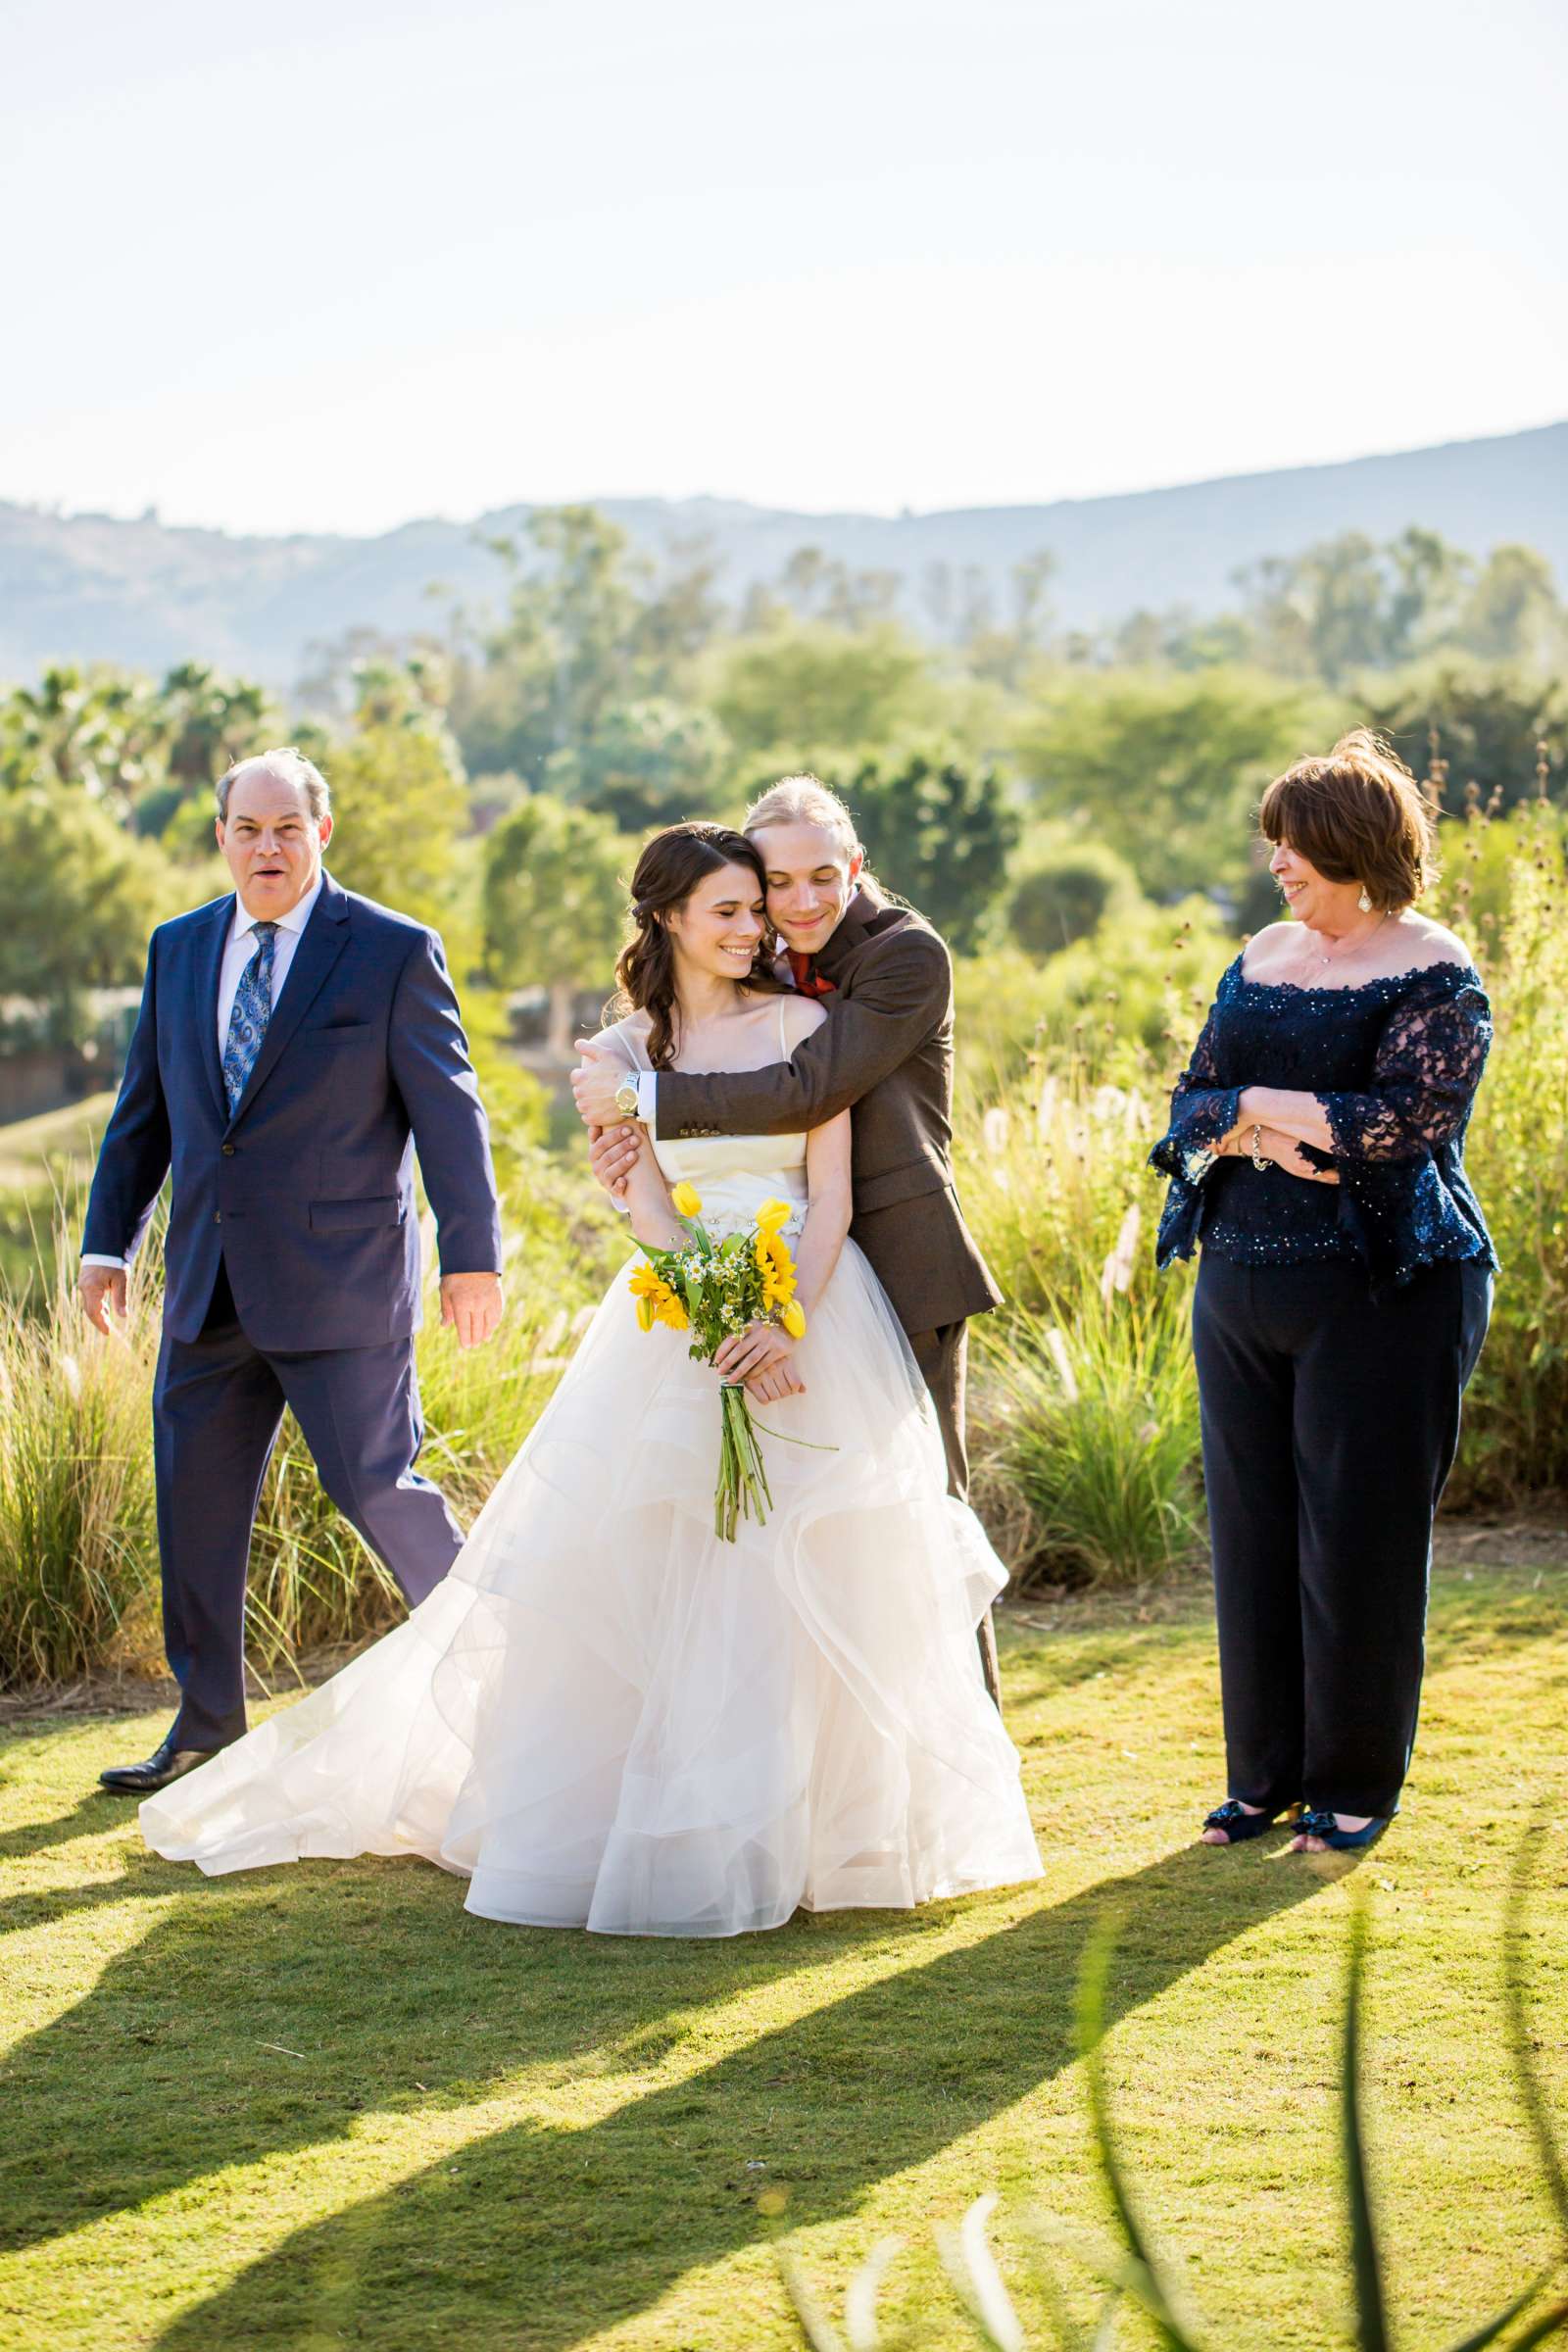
<point x="732" y="1174"/>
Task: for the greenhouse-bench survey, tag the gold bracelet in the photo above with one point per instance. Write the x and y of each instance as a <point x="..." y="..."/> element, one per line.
<point x="1259" y="1161"/>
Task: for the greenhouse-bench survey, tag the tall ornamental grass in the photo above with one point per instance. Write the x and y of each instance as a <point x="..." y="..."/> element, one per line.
<point x="1085" y="1401"/>
<point x="78" y="1540"/>
<point x="1515" y="1443"/>
<point x="79" y="1550"/>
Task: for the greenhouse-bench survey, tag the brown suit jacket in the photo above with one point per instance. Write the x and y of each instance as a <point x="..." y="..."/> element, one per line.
<point x="886" y="1048"/>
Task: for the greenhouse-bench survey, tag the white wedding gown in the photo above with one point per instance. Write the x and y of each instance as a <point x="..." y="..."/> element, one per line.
<point x="606" y="1717"/>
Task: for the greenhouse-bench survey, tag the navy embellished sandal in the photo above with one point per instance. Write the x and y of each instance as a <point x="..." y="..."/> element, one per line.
<point x="1316" y="1822"/>
<point x="1237" y="1822"/>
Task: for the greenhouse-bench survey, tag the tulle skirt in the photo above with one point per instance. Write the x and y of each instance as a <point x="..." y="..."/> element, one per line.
<point x="606" y="1717"/>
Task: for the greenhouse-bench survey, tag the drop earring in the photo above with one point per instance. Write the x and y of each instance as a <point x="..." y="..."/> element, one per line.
<point x="1363" y="902"/>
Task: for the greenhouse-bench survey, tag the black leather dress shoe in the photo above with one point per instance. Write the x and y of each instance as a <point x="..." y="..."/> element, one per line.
<point x="165" y="1763"/>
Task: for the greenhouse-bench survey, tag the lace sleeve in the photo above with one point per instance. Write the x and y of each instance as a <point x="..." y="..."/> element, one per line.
<point x="1425" y="1073"/>
<point x="1201" y="1113"/>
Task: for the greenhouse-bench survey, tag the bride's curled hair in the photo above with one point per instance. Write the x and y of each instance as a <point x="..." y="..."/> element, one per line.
<point x="668" y="870"/>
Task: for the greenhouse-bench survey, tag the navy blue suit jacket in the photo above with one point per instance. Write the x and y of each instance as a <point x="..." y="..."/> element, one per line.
<point x="307" y="1192"/>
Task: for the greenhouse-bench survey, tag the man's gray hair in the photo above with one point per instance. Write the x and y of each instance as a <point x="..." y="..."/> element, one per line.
<point x="288" y="763"/>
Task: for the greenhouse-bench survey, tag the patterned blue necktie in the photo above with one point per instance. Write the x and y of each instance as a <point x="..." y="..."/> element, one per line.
<point x="247" y="1023"/>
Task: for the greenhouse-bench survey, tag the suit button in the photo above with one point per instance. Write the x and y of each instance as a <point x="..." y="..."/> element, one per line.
<point x="218" y="1216"/>
<point x="229" y="1150"/>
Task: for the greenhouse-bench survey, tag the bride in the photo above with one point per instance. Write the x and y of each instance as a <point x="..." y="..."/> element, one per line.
<point x="607" y="1716"/>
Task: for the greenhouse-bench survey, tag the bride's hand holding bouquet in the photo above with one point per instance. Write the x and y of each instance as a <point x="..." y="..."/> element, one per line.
<point x="737" y="1299"/>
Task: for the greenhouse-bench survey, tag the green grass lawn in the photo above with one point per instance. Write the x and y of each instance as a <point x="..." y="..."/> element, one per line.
<point x="322" y="2105"/>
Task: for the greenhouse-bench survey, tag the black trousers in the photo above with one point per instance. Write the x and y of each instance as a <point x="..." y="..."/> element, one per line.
<point x="217" y="1402"/>
<point x="1330" y="1424"/>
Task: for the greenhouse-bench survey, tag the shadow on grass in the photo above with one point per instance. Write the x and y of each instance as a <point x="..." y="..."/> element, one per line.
<point x="264" y="2013"/>
<point x="538" y="2236"/>
<point x="89" y="1817"/>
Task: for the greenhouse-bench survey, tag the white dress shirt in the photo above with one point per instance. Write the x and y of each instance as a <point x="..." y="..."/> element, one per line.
<point x="238" y="948"/>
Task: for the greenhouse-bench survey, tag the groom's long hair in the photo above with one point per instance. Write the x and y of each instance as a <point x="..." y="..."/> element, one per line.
<point x="668" y="870"/>
<point x="804" y="800"/>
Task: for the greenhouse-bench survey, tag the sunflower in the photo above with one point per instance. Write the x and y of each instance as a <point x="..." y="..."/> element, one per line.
<point x="776" y="1267"/>
<point x="657" y="1303"/>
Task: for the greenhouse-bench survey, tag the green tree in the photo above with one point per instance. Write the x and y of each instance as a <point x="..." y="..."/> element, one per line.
<point x="1488" y="721"/>
<point x="210" y="722"/>
<point x="1007" y="653"/>
<point x="1330" y="603"/>
<point x="1513" y="613"/>
<point x="1166" y="766"/>
<point x="78" y="896"/>
<point x="1065" y="893"/>
<point x="938" y="833"/>
<point x="808" y="684"/>
<point x="590" y="629"/>
<point x="554" y="900"/>
<point x="1429" y="580"/>
<point x="645" y="764"/>
<point x="679" y="611"/>
<point x="101" y="730"/>
<point x="564" y="653"/>
<point x="1351" y="604"/>
<point x="399" y="796"/>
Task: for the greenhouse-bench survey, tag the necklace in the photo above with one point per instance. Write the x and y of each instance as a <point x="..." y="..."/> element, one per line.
<point x="1323" y="958"/>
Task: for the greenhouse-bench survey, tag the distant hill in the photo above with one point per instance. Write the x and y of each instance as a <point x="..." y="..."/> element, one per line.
<point x="90" y="587"/>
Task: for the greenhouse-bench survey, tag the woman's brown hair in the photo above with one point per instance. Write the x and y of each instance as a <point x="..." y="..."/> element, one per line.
<point x="668" y="870"/>
<point x="1359" y="815"/>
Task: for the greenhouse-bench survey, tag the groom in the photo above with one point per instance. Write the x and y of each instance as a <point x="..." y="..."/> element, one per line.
<point x="886" y="981"/>
<point x="296" y="1044"/>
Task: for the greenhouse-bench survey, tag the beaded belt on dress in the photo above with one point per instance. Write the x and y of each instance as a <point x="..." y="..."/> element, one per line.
<point x="721" y="1223"/>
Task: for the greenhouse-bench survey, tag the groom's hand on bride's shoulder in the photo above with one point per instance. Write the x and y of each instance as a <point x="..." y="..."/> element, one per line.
<point x="613" y="1155"/>
<point x="473" y="1304"/>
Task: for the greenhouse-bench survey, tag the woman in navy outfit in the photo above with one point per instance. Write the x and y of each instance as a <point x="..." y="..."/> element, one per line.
<point x="1316" y="1152"/>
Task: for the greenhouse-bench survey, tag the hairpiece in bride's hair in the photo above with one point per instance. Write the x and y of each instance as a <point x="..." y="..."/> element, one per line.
<point x="666" y="873"/>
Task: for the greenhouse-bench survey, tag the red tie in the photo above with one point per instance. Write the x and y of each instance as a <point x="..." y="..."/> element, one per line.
<point x="809" y="982"/>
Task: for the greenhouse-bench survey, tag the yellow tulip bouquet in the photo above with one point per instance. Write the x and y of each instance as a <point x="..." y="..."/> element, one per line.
<point x="714" y="1289"/>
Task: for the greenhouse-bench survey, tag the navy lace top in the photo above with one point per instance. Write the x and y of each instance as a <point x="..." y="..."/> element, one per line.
<point x="1394" y="1064"/>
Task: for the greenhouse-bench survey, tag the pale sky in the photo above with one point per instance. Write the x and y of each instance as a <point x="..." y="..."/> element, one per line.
<point x="336" y="264"/>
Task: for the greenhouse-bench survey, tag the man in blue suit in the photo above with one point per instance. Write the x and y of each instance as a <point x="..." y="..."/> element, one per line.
<point x="296" y="1045"/>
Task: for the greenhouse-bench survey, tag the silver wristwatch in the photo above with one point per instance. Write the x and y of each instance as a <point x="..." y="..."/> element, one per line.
<point x="627" y="1100"/>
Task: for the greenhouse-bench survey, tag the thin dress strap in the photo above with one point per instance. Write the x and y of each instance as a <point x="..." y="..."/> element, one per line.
<point x="783" y="1034"/>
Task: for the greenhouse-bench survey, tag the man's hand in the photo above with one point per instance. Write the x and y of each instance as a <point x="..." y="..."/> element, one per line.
<point x="471" y="1304"/>
<point x="595" y="1086"/>
<point x="99" y="1288"/>
<point x="761" y="1348"/>
<point x="612" y="1154"/>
